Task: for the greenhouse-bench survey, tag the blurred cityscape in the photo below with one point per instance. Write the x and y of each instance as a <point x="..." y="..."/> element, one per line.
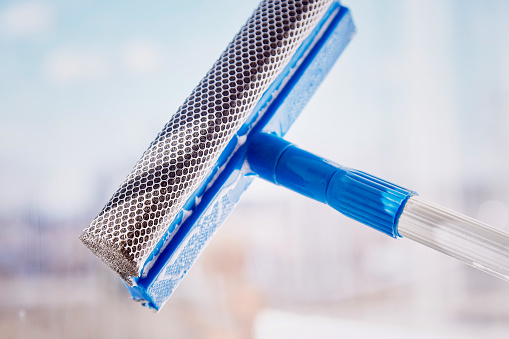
<point x="420" y="98"/>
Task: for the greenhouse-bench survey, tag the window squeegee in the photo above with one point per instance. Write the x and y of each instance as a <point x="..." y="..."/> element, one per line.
<point x="230" y="131"/>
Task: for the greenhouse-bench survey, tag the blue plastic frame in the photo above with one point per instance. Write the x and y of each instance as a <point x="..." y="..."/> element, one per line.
<point x="213" y="201"/>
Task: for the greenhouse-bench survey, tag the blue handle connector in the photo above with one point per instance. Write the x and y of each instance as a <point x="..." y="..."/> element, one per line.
<point x="358" y="195"/>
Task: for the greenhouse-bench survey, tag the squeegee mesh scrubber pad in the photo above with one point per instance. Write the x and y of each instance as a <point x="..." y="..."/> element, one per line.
<point x="131" y="224"/>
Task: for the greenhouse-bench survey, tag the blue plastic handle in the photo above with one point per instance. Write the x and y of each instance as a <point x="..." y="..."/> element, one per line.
<point x="358" y="195"/>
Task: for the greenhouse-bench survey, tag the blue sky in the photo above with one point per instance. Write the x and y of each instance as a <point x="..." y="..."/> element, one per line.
<point x="77" y="73"/>
<point x="419" y="97"/>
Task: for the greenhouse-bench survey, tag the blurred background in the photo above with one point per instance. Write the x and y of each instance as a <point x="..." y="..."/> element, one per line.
<point x="420" y="97"/>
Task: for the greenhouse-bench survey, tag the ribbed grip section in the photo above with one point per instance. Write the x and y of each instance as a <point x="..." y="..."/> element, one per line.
<point x="367" y="199"/>
<point x="459" y="236"/>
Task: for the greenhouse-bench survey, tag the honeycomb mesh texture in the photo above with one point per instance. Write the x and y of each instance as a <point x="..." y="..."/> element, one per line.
<point x="130" y="225"/>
